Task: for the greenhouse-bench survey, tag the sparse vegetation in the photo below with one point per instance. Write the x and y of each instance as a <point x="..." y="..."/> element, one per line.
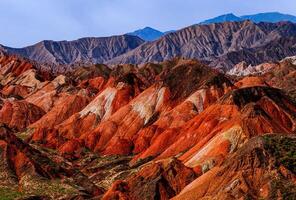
<point x="283" y="149"/>
<point x="43" y="187"/>
<point x="7" y="193"/>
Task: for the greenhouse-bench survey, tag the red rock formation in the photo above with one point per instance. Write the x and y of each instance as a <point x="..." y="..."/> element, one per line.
<point x="25" y="159"/>
<point x="283" y="76"/>
<point x="121" y="126"/>
<point x="63" y="109"/>
<point x="44" y="128"/>
<point x="48" y="94"/>
<point x="15" y="91"/>
<point x="96" y="84"/>
<point x="181" y="115"/>
<point x="253" y="172"/>
<point x="100" y="109"/>
<point x="251" y="82"/>
<point x="119" y="133"/>
<point x="34" y="172"/>
<point x="14" y="65"/>
<point x="221" y="128"/>
<point x="19" y="115"/>
<point x="164" y="131"/>
<point x="163" y="179"/>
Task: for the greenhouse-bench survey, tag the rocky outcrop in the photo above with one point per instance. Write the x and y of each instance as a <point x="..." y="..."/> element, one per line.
<point x="20" y="77"/>
<point x="262" y="168"/>
<point x="283" y="76"/>
<point x="162" y="180"/>
<point x="25" y="171"/>
<point x="18" y="115"/>
<point x="119" y="134"/>
<point x="255" y="56"/>
<point x="242" y="69"/>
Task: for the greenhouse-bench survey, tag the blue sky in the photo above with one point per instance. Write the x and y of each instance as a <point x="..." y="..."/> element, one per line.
<point x="25" y="22"/>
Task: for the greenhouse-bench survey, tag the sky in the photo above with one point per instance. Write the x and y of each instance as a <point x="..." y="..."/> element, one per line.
<point x="26" y="22"/>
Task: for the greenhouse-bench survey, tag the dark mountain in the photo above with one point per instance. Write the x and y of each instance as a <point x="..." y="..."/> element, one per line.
<point x="93" y="50"/>
<point x="209" y="42"/>
<point x="272" y="17"/>
<point x="147" y="34"/>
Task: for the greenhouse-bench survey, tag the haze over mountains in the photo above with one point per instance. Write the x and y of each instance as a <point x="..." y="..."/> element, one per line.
<point x="202" y="41"/>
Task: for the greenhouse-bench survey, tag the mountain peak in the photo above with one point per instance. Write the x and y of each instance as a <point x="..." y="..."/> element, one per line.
<point x="229" y="15"/>
<point x="147" y="33"/>
<point x="149" y="28"/>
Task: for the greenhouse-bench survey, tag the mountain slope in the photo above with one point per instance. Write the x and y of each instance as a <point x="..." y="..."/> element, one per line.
<point x="260" y="169"/>
<point x="86" y="50"/>
<point x="271" y="52"/>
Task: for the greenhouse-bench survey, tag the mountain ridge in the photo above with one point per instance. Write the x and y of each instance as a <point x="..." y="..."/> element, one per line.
<point x="89" y="49"/>
<point x="209" y="42"/>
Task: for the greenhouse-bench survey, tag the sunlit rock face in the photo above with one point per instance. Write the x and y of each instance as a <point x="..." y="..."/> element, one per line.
<point x="19" y="114"/>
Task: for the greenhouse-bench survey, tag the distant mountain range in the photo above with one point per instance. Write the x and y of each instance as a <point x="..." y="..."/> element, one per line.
<point x="272" y="17"/>
<point x="223" y="45"/>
